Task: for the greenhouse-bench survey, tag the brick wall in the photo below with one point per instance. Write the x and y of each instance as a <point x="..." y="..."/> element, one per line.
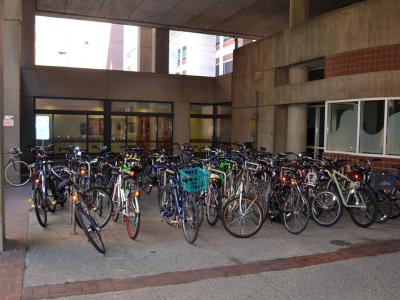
<point x="383" y="163"/>
<point x="363" y="61"/>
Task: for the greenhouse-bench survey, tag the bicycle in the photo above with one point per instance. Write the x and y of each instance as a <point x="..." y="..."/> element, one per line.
<point x="17" y="172"/>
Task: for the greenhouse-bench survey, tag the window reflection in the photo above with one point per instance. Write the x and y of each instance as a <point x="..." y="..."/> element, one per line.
<point x="393" y="128"/>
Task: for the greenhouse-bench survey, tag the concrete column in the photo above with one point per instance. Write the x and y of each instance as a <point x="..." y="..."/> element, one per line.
<point x="297" y="128"/>
<point x="298" y="74"/>
<point x="297" y="114"/>
<point x="181" y="122"/>
<point x="2" y="215"/>
<point x="145" y="49"/>
<point x="28" y="34"/>
<point x="298" y="12"/>
<point x="11" y="57"/>
<point x="161" y="51"/>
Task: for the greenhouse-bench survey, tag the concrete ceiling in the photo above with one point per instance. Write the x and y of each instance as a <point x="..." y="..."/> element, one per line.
<point x="243" y="18"/>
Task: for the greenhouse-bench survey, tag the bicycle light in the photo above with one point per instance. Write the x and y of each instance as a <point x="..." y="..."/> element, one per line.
<point x="74" y="197"/>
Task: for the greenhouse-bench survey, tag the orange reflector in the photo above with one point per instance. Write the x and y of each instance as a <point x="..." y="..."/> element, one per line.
<point x="82" y="172"/>
<point x="137" y="194"/>
<point x="74" y="197"/>
<point x="37" y="181"/>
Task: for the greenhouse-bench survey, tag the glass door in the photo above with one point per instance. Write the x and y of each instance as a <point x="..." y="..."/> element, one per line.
<point x="315" y="129"/>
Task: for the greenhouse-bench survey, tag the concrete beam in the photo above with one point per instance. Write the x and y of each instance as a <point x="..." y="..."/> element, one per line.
<point x="145" y="49"/>
<point x="298" y="12"/>
<point x="161" y="51"/>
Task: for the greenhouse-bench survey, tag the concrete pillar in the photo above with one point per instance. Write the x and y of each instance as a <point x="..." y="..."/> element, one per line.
<point x="28" y="34"/>
<point x="298" y="74"/>
<point x="145" y="49"/>
<point x="297" y="128"/>
<point x="297" y="114"/>
<point x="181" y="122"/>
<point x="11" y="64"/>
<point x="298" y="12"/>
<point x="161" y="51"/>
<point x="2" y="215"/>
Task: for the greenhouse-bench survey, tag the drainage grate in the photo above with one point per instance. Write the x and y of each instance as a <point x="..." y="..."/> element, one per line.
<point x="340" y="243"/>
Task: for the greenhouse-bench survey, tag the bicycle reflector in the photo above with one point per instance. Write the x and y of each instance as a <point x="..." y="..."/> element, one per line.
<point x="82" y="171"/>
<point x="137" y="194"/>
<point x="293" y="182"/>
<point x="74" y="197"/>
<point x="37" y="180"/>
<point x="285" y="178"/>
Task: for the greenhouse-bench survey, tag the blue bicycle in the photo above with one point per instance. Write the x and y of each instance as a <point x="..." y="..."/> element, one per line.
<point x="177" y="205"/>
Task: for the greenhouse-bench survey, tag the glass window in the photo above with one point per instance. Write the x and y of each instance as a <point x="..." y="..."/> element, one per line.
<point x="216" y="70"/>
<point x="67" y="104"/>
<point x="71" y="128"/>
<point x="393" y="128"/>
<point x="118" y="128"/>
<point x="141" y="107"/>
<point x="184" y="50"/>
<point x="224" y="109"/>
<point x="223" y="130"/>
<point x="342" y="126"/>
<point x="201" y="109"/>
<point x="141" y="128"/>
<point x="228" y="67"/>
<point x="164" y="129"/>
<point x="201" y="130"/>
<point x="179" y="56"/>
<point x="95" y="128"/>
<point x="371" y="126"/>
<point x="311" y="126"/>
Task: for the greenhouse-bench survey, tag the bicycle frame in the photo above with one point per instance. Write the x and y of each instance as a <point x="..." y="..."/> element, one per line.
<point x="351" y="190"/>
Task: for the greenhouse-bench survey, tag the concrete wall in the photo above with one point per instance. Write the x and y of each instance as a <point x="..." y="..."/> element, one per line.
<point x="367" y="24"/>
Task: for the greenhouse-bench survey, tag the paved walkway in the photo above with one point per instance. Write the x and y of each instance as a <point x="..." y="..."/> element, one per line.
<point x="344" y="261"/>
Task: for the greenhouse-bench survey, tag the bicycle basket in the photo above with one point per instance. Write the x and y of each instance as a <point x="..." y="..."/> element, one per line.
<point x="193" y="180"/>
<point x="383" y="179"/>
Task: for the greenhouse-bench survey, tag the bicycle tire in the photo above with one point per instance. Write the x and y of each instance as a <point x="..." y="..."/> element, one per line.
<point x="200" y="208"/>
<point x="395" y="204"/>
<point x="132" y="220"/>
<point x="295" y="207"/>
<point x="17" y="173"/>
<point x="100" y="208"/>
<point x="89" y="227"/>
<point x="40" y="207"/>
<point x="214" y="207"/>
<point x="383" y="208"/>
<point x="146" y="180"/>
<point x="190" y="219"/>
<point x="323" y="204"/>
<point x="368" y="212"/>
<point x="232" y="206"/>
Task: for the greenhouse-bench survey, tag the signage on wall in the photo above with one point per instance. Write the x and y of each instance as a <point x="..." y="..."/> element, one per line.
<point x="42" y="127"/>
<point x="8" y="121"/>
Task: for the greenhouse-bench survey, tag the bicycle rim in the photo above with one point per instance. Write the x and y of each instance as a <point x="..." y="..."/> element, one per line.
<point x="296" y="213"/>
<point x="243" y="219"/>
<point x="326" y="208"/>
<point x="40" y="208"/>
<point x="213" y="208"/>
<point x="100" y="205"/>
<point x="364" y="214"/>
<point x="190" y="224"/>
<point x="17" y="173"/>
<point x="89" y="227"/>
<point x="132" y="220"/>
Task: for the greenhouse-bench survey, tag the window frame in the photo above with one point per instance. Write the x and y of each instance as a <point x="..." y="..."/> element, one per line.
<point x="385" y="120"/>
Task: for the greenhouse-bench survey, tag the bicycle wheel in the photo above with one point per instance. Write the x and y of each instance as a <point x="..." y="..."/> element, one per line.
<point x="99" y="204"/>
<point x="383" y="207"/>
<point x="362" y="207"/>
<point x="90" y="228"/>
<point x="132" y="220"/>
<point x="395" y="203"/>
<point x="190" y="222"/>
<point x="200" y="208"/>
<point x="326" y="208"/>
<point x="296" y="213"/>
<point x="40" y="207"/>
<point x="17" y="173"/>
<point x="242" y="219"/>
<point x="214" y="207"/>
<point x="147" y="180"/>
